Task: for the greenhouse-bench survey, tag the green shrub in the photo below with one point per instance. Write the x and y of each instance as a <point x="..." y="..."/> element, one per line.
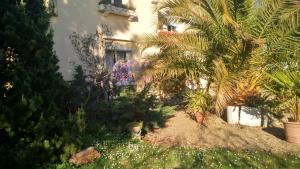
<point x="35" y="127"/>
<point x="126" y="106"/>
<point x="31" y="88"/>
<point x="199" y="102"/>
<point x="131" y="106"/>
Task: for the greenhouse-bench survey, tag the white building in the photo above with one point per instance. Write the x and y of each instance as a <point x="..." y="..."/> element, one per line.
<point x="127" y="20"/>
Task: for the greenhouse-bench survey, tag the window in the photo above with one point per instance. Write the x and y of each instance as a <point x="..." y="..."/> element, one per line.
<point x="112" y="57"/>
<point x="171" y="28"/>
<point x="120" y="55"/>
<point x="117" y="2"/>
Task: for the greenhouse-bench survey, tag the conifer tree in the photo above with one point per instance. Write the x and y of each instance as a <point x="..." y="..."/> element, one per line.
<point x="31" y="112"/>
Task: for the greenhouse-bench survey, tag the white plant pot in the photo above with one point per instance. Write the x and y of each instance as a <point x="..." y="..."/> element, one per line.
<point x="203" y="83"/>
<point x="233" y="114"/>
<point x="136" y="129"/>
<point x="250" y="116"/>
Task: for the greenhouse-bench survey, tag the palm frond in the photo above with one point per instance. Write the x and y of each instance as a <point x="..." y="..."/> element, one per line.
<point x="223" y="87"/>
<point x="289" y="83"/>
<point x="270" y="14"/>
<point x="225" y="38"/>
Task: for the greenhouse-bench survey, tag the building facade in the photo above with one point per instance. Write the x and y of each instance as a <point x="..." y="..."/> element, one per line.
<point x="121" y="22"/>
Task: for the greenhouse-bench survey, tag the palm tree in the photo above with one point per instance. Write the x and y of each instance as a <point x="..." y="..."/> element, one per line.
<point x="286" y="89"/>
<point x="225" y="39"/>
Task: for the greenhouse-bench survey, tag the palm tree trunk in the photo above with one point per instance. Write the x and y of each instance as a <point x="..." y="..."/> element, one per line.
<point x="297" y="110"/>
<point x="208" y="85"/>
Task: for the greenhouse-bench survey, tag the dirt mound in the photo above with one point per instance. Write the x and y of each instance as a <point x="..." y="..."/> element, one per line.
<point x="181" y="131"/>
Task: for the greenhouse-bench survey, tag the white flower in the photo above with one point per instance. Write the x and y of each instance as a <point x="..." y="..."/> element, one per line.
<point x="8" y="85"/>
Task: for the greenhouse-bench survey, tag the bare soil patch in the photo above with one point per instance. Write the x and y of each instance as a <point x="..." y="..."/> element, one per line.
<point x="182" y="131"/>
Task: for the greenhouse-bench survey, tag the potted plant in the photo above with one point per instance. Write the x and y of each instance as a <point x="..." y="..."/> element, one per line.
<point x="199" y="105"/>
<point x="233" y="114"/>
<point x="250" y="113"/>
<point x="286" y="87"/>
<point x="135" y="129"/>
<point x="234" y="109"/>
<point x="244" y="106"/>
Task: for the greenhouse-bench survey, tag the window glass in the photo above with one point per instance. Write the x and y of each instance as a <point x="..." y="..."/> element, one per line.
<point x="171" y="28"/>
<point x="112" y="57"/>
<point x="118" y="2"/>
<point x="121" y="55"/>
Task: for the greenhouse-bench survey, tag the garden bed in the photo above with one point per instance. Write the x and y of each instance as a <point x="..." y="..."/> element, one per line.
<point x="184" y="132"/>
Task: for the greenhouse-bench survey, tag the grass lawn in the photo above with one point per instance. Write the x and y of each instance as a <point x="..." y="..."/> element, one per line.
<point x="117" y="152"/>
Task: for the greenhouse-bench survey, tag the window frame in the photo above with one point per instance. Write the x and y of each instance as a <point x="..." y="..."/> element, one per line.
<point x="127" y="54"/>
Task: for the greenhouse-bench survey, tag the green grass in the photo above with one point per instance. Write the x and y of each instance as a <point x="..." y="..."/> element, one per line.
<point x="119" y="152"/>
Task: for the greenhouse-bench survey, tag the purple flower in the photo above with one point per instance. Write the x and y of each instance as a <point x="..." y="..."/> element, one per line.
<point x="122" y="72"/>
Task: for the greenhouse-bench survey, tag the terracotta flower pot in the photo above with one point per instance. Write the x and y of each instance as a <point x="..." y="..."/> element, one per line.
<point x="292" y="132"/>
<point x="200" y="118"/>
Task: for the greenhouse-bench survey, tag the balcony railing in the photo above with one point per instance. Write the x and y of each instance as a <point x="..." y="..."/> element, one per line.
<point x="118" y="9"/>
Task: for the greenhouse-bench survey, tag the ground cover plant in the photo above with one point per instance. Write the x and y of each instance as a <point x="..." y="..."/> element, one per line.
<point x="117" y="151"/>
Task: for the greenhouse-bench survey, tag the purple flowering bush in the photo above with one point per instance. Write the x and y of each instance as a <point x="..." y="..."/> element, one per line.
<point x="122" y="72"/>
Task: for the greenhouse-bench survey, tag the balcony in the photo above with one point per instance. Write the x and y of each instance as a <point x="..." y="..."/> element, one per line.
<point x="106" y="7"/>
